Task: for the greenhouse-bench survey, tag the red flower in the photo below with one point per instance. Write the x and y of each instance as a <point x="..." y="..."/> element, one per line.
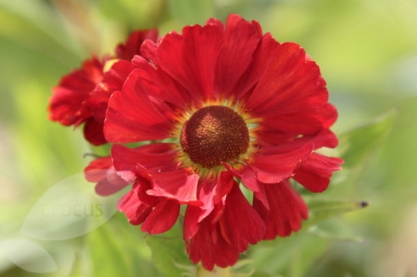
<point x="73" y="102"/>
<point x="218" y="106"/>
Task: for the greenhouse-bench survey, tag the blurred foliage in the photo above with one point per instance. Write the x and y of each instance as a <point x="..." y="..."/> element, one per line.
<point x="367" y="51"/>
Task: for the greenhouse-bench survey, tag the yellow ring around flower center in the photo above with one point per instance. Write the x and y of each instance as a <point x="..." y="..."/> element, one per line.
<point x="217" y="132"/>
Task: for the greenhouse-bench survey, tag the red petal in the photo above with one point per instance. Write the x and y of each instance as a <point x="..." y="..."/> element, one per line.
<point x="162" y="217"/>
<point x="308" y="121"/>
<point x="136" y="211"/>
<point x="288" y="84"/>
<point x="260" y="60"/>
<point x="314" y="174"/>
<point x="273" y="136"/>
<point x="191" y="58"/>
<point x="114" y="182"/>
<point x="106" y="188"/>
<point x="236" y="56"/>
<point x="249" y="176"/>
<point x="257" y="187"/>
<point x="209" y="247"/>
<point x="211" y="192"/>
<point x="149" y="50"/>
<point x="218" y="242"/>
<point x="133" y="43"/>
<point x="93" y="132"/>
<point x="162" y="86"/>
<point x="102" y="172"/>
<point x="240" y="224"/>
<point x="97" y="169"/>
<point x="324" y="138"/>
<point x="113" y="80"/>
<point x="287" y="209"/>
<point x="277" y="167"/>
<point x="154" y="156"/>
<point x="132" y="117"/>
<point x="179" y="185"/>
<point x="157" y="214"/>
<point x="191" y="221"/>
<point x="156" y="163"/>
<point x="66" y="103"/>
<point x="215" y="22"/>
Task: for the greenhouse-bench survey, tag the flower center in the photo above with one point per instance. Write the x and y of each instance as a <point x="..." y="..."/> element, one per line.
<point x="214" y="134"/>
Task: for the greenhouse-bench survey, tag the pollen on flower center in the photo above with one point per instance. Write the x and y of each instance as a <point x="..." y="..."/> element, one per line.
<point x="214" y="134"/>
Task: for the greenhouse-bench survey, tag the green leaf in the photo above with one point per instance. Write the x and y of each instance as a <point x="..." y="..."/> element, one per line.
<point x="322" y="209"/>
<point x="360" y="143"/>
<point x="168" y="252"/>
<point x="107" y="256"/>
<point x="359" y="147"/>
<point x="335" y="229"/>
<point x="118" y="249"/>
<point x="290" y="258"/>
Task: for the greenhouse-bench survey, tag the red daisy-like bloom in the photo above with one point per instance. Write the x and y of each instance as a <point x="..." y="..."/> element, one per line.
<point x="82" y="95"/>
<point x="220" y="106"/>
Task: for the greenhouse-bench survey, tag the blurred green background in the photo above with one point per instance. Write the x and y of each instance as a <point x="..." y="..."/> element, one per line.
<point x="367" y="52"/>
